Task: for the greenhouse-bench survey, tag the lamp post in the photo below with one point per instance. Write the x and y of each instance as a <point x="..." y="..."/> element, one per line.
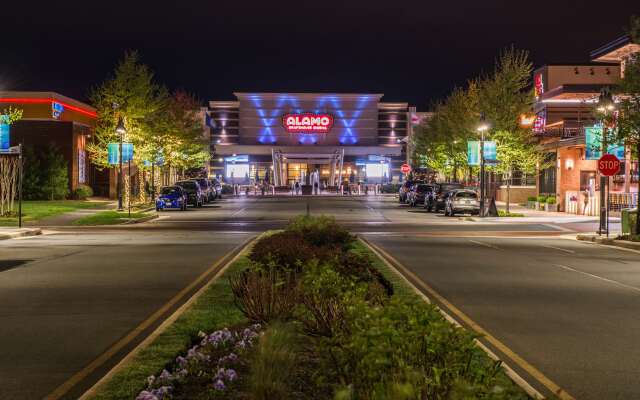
<point x="606" y="105"/>
<point x="482" y="128"/>
<point x="120" y="130"/>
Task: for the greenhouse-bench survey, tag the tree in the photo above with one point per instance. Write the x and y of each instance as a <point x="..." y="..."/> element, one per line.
<point x="55" y="183"/>
<point x="628" y="90"/>
<point x="9" y="166"/>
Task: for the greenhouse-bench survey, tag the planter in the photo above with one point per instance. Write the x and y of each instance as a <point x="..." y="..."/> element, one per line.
<point x="531" y="205"/>
<point x="551" y="207"/>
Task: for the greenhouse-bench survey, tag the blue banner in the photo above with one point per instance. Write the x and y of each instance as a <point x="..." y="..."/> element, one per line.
<point x="113" y="151"/>
<point x="490" y="151"/>
<point x="5" y="141"/>
<point x="473" y="153"/>
<point x="593" y="144"/>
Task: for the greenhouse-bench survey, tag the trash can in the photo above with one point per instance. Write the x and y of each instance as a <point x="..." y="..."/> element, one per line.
<point x="628" y="220"/>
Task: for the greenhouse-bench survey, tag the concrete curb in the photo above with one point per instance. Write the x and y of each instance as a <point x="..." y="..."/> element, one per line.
<point x="141" y="220"/>
<point x="23" y="233"/>
<point x="219" y="268"/>
<point x="625" y="244"/>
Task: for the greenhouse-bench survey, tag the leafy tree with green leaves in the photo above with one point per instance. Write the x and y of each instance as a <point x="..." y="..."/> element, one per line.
<point x="32" y="175"/>
<point x="9" y="115"/>
<point x="628" y="90"/>
<point x="55" y="182"/>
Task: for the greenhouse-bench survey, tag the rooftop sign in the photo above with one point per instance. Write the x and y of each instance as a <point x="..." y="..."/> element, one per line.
<point x="307" y="123"/>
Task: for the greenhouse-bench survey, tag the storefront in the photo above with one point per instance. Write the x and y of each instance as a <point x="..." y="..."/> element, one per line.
<point x="285" y="138"/>
<point x="51" y="119"/>
<point x="568" y="132"/>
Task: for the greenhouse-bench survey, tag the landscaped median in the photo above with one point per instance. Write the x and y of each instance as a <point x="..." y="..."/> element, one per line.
<point x="310" y="312"/>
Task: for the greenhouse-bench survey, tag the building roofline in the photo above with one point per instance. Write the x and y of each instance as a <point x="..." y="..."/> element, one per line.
<point x="275" y="95"/>
<point x="611" y="46"/>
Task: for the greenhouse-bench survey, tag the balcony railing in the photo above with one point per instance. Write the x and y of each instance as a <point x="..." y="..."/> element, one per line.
<point x="563" y="132"/>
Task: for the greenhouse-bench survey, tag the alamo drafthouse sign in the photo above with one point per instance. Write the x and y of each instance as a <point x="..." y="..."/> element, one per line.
<point x="307" y="123"/>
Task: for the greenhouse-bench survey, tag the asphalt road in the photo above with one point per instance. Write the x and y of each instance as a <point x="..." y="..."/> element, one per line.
<point x="567" y="308"/>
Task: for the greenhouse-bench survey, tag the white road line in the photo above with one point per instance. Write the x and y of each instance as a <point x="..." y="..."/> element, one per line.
<point x="559" y="249"/>
<point x="237" y="212"/>
<point x="484" y="244"/>
<point x="558" y="227"/>
<point x="598" y="277"/>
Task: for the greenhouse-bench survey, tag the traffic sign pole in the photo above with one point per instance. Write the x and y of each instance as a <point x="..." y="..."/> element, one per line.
<point x="608" y="165"/>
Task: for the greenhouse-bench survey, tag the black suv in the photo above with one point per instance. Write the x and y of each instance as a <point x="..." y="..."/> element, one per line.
<point x="418" y="193"/>
<point x="436" y="202"/>
<point x="195" y="195"/>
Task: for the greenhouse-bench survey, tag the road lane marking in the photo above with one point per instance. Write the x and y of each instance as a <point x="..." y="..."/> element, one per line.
<point x="598" y="277"/>
<point x="65" y="387"/>
<point x="559" y="249"/>
<point x="521" y="362"/>
<point x="237" y="212"/>
<point x="484" y="244"/>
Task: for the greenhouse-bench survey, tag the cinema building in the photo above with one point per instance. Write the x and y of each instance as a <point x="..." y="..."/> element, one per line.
<point x="289" y="137"/>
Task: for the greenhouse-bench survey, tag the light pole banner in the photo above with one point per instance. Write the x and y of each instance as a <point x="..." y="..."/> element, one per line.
<point x="490" y="151"/>
<point x="473" y="153"/>
<point x="113" y="152"/>
<point x="5" y="141"/>
<point x="593" y="145"/>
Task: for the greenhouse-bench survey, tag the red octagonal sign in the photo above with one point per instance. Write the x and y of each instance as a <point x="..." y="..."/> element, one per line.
<point x="405" y="168"/>
<point x="609" y="165"/>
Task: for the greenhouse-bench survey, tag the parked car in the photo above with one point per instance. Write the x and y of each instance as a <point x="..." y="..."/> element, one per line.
<point x="418" y="193"/>
<point x="195" y="195"/>
<point x="462" y="201"/>
<point x="436" y="202"/>
<point x="171" y="197"/>
<point x="209" y="193"/>
<point x="217" y="187"/>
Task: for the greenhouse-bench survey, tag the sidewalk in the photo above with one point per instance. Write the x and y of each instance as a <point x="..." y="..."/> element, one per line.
<point x="11" y="233"/>
<point x="543" y="216"/>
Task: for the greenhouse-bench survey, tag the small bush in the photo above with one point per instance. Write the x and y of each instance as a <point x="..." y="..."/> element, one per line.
<point x="287" y="250"/>
<point x="542" y="199"/>
<point x="82" y="192"/>
<point x="265" y="295"/>
<point x="274" y="363"/>
<point x="532" y="198"/>
<point x="320" y="231"/>
<point x="551" y="200"/>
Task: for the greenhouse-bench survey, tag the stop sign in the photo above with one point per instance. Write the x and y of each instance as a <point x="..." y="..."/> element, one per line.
<point x="609" y="165"/>
<point x="405" y="168"/>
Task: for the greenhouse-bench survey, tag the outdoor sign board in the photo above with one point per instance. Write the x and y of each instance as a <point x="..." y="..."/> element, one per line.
<point x="405" y="168"/>
<point x="473" y="152"/>
<point x="593" y="144"/>
<point x="609" y="165"/>
<point x="56" y="110"/>
<point x="235" y="159"/>
<point x="307" y="123"/>
<point x="113" y="152"/>
<point x="4" y="136"/>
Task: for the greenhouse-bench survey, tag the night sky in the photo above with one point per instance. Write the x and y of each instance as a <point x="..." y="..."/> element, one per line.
<point x="413" y="51"/>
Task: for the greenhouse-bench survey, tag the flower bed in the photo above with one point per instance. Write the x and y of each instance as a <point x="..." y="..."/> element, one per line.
<point x="337" y="325"/>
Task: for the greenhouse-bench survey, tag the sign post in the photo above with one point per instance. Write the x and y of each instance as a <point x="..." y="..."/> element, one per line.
<point x="608" y="165"/>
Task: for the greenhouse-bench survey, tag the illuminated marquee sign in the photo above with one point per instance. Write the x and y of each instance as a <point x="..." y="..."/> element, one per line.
<point x="307" y="123"/>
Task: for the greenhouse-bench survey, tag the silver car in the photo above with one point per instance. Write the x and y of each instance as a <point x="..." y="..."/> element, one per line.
<point x="461" y="201"/>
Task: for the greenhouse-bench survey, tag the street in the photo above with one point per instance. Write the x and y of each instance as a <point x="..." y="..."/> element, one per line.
<point x="566" y="307"/>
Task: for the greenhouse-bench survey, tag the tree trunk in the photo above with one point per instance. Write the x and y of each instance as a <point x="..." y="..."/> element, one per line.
<point x="508" y="191"/>
<point x="638" y="194"/>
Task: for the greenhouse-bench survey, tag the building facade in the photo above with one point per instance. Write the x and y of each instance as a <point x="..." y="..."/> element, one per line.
<point x="566" y="97"/>
<point x="51" y="119"/>
<point x="289" y="137"/>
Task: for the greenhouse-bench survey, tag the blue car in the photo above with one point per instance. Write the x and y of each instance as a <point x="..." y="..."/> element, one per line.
<point x="171" y="197"/>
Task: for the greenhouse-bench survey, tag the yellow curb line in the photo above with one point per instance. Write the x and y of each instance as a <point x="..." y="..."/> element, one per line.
<point x="114" y="349"/>
<point x="401" y="270"/>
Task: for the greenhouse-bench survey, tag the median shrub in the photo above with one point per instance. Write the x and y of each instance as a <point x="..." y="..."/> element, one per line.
<point x="320" y="231"/>
<point x="287" y="250"/>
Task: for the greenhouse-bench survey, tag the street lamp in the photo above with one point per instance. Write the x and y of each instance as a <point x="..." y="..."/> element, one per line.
<point x="605" y="106"/>
<point x="482" y="128"/>
<point x="120" y="130"/>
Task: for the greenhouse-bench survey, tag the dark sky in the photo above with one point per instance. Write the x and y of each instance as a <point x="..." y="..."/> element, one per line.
<point x="413" y="51"/>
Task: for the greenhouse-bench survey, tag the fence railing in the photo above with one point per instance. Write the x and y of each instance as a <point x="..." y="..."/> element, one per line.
<point x="618" y="201"/>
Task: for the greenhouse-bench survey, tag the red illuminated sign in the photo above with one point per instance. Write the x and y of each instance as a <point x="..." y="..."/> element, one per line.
<point x="307" y="123"/>
<point x="538" y="85"/>
<point x="609" y="165"/>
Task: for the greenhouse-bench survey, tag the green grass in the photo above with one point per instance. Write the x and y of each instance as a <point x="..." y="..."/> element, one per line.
<point x="109" y="218"/>
<point x="213" y="310"/>
<point x="502" y="213"/>
<point x="36" y="210"/>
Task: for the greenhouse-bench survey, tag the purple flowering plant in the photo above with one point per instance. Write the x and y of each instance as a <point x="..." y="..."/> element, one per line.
<point x="215" y="359"/>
